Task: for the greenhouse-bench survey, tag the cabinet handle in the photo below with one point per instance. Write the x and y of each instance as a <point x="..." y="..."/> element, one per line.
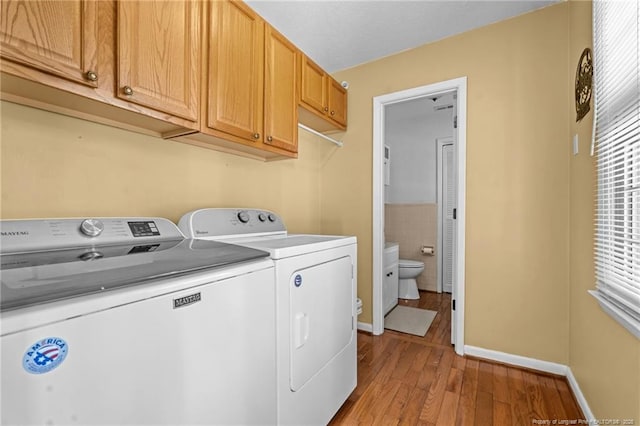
<point x="256" y="135"/>
<point x="127" y="90"/>
<point x="333" y="113"/>
<point x="326" y="109"/>
<point x="91" y="76"/>
<point x="269" y="138"/>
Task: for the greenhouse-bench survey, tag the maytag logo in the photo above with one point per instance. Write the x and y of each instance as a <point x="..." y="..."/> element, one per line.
<point x="13" y="233"/>
<point x="201" y="232"/>
<point x="186" y="300"/>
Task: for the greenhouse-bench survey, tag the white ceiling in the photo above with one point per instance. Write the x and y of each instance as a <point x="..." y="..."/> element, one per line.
<point x="342" y="34"/>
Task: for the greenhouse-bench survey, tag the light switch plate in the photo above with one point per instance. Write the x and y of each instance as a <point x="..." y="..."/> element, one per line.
<point x="575" y="144"/>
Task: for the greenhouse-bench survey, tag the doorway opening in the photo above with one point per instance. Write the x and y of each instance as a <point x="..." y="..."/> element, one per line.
<point x="453" y="153"/>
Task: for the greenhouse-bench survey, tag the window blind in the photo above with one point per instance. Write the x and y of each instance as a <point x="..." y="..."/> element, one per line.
<point x="616" y="27"/>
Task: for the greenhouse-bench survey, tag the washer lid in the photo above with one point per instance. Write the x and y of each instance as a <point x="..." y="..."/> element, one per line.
<point x="408" y="263"/>
<point x="45" y="276"/>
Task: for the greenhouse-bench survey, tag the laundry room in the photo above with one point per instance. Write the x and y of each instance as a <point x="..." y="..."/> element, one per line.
<point x="80" y="148"/>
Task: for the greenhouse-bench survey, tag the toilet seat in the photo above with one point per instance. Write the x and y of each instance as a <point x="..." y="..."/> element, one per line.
<point x="407" y="263"/>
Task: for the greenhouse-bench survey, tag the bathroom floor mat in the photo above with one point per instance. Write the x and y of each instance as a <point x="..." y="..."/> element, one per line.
<point x="409" y="320"/>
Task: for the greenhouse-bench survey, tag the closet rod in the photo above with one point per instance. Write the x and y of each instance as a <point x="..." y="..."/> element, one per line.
<point x="315" y="132"/>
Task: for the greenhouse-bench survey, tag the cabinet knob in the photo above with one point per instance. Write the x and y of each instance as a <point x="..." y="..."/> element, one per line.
<point x="326" y="109"/>
<point x="127" y="90"/>
<point x="269" y="138"/>
<point x="333" y="113"/>
<point x="91" y="76"/>
<point x="256" y="135"/>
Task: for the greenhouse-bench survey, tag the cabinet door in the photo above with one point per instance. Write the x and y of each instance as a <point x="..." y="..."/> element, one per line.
<point x="337" y="102"/>
<point x="280" y="94"/>
<point x="57" y="37"/>
<point x="235" y="70"/>
<point x="313" y="86"/>
<point x="159" y="55"/>
<point x="390" y="288"/>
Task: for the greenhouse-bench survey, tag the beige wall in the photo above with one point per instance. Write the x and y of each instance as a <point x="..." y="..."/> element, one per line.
<point x="57" y="166"/>
<point x="604" y="357"/>
<point x="413" y="226"/>
<point x="517" y="175"/>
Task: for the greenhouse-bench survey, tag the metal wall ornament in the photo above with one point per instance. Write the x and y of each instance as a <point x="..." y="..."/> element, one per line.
<point x="584" y="80"/>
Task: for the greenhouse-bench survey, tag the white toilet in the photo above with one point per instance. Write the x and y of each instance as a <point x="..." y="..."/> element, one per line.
<point x="408" y="270"/>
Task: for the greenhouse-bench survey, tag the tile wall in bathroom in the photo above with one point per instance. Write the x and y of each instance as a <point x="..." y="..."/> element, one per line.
<point x="412" y="226"/>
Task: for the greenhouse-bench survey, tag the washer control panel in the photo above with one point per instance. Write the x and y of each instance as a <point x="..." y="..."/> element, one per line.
<point x="44" y="234"/>
<point x="230" y="222"/>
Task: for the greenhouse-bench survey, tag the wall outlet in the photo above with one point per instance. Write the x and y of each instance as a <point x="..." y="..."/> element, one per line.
<point x="575" y="144"/>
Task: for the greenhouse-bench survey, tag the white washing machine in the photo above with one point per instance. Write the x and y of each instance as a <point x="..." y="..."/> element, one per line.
<point x="123" y="321"/>
<point x="315" y="302"/>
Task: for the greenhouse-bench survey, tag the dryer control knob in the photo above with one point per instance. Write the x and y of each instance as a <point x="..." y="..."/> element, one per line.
<point x="91" y="227"/>
<point x="262" y="217"/>
<point x="272" y="217"/>
<point x="243" y="216"/>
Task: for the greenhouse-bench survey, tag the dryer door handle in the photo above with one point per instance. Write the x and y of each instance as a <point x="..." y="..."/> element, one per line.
<point x="300" y="329"/>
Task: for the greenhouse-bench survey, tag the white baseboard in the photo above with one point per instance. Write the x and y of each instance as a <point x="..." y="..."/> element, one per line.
<point x="517" y="360"/>
<point x="365" y="326"/>
<point x="535" y="364"/>
<point x="582" y="401"/>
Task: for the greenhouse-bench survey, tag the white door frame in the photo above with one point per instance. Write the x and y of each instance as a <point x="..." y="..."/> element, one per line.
<point x="379" y="104"/>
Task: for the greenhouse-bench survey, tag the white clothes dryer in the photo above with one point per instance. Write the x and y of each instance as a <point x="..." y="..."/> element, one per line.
<point x="315" y="307"/>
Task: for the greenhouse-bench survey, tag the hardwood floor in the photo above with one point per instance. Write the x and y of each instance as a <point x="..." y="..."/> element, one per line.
<point x="411" y="380"/>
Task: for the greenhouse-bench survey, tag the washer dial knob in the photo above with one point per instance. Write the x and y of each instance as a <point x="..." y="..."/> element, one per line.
<point x="272" y="217"/>
<point x="262" y="217"/>
<point x="243" y="216"/>
<point x="91" y="227"/>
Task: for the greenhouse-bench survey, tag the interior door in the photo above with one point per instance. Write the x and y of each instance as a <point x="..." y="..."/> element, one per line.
<point x="447" y="229"/>
<point x="321" y="317"/>
<point x="447" y="208"/>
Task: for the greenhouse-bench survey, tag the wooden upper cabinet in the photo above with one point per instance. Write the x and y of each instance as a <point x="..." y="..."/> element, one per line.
<point x="56" y="37"/>
<point x="235" y="70"/>
<point x="158" y="57"/>
<point x="280" y="92"/>
<point x="337" y="102"/>
<point x="313" y="87"/>
<point x="323" y="97"/>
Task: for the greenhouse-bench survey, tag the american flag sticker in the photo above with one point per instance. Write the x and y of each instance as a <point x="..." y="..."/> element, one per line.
<point x="45" y="355"/>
